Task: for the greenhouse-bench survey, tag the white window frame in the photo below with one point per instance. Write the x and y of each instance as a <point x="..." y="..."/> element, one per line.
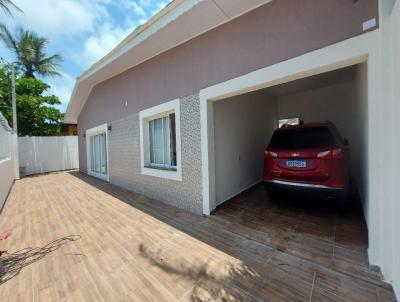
<point x="91" y="132"/>
<point x="150" y="114"/>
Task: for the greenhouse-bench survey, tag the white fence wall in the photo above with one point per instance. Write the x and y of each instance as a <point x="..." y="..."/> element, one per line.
<point x="7" y="168"/>
<point x="45" y="154"/>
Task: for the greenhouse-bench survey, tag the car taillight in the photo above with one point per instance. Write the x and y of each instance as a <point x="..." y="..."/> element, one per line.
<point x="325" y="154"/>
<point x="335" y="154"/>
<point x="270" y="154"/>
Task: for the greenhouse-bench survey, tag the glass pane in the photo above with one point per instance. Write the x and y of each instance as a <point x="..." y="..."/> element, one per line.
<point x="151" y="138"/>
<point x="166" y="137"/>
<point x="158" y="142"/>
<point x="94" y="154"/>
<point x="91" y="154"/>
<point x="105" y="154"/>
<point x="98" y="155"/>
<point x="100" y="152"/>
<point x="288" y="122"/>
<point x="162" y="141"/>
<point x="172" y="139"/>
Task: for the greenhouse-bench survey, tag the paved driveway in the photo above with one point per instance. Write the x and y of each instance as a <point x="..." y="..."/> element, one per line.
<point x="76" y="238"/>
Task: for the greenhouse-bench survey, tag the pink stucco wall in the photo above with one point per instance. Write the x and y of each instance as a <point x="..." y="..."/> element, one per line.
<point x="270" y="34"/>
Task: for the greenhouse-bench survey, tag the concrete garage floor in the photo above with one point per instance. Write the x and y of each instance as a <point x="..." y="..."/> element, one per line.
<point x="76" y="238"/>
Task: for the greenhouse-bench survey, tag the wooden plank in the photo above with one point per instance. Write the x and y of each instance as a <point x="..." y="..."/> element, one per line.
<point x="131" y="248"/>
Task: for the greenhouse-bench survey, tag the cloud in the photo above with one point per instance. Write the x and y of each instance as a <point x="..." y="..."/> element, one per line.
<point x="100" y="43"/>
<point x="108" y="35"/>
<point x="55" y="19"/>
<point x="138" y="10"/>
<point x="145" y="3"/>
<point x="95" y="22"/>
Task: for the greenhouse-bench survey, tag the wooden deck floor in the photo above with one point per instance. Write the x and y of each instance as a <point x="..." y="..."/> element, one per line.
<point x="76" y="238"/>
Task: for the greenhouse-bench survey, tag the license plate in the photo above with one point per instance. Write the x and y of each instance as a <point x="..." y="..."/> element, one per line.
<point x="296" y="163"/>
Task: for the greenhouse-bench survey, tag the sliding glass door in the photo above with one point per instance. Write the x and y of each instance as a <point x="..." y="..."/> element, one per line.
<point x="98" y="155"/>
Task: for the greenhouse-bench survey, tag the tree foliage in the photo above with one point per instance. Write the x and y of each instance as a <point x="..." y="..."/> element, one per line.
<point x="36" y="111"/>
<point x="36" y="114"/>
<point x="7" y="6"/>
<point x="30" y="51"/>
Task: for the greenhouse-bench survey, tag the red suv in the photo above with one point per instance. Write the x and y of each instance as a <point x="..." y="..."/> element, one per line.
<point x="307" y="158"/>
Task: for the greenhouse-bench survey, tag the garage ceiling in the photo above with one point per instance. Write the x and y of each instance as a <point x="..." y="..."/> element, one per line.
<point x="314" y="82"/>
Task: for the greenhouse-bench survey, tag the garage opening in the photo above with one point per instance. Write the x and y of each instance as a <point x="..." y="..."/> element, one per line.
<point x="244" y="124"/>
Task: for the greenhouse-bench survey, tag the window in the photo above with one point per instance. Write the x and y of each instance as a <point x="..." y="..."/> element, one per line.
<point x="288" y="121"/>
<point x="160" y="141"/>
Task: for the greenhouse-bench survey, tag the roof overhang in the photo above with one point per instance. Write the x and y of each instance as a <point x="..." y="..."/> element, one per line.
<point x="177" y="23"/>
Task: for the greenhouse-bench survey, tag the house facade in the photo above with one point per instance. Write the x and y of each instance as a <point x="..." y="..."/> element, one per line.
<point x="182" y="109"/>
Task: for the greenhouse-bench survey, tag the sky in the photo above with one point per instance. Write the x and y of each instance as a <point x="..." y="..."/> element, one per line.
<point x="82" y="31"/>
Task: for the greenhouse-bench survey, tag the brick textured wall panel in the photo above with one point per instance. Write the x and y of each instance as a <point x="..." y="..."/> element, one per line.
<point x="124" y="156"/>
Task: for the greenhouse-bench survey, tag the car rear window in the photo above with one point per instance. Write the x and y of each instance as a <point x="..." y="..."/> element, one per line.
<point x="302" y="138"/>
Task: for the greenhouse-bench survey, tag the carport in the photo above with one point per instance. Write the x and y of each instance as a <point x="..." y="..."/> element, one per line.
<point x="243" y="124"/>
<point x="337" y="83"/>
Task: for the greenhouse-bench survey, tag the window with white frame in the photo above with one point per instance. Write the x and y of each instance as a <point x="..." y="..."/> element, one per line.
<point x="160" y="141"/>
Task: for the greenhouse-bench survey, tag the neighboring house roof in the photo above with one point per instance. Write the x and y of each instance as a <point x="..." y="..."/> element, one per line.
<point x="177" y="23"/>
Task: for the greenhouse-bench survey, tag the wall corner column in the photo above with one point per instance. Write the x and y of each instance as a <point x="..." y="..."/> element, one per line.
<point x="207" y="154"/>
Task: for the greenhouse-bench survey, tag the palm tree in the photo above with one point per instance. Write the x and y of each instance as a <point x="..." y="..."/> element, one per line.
<point x="6" y="6"/>
<point x="30" y="51"/>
